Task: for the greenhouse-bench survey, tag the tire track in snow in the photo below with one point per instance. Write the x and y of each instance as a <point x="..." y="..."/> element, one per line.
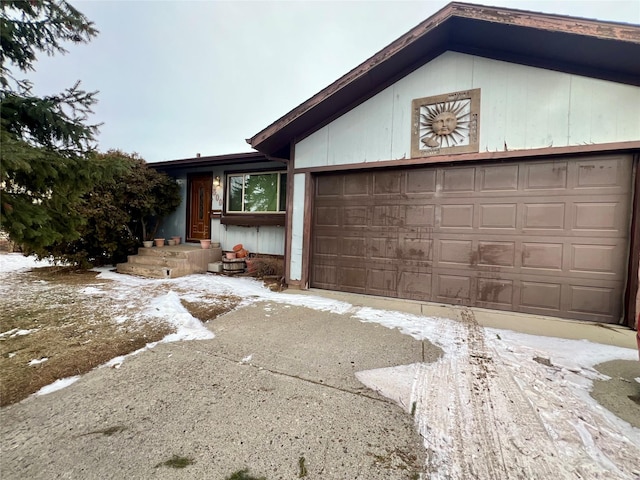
<point x="484" y="423"/>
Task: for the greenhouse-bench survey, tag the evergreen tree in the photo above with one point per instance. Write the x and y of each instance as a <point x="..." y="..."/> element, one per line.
<point x="44" y="141"/>
<point x="120" y="211"/>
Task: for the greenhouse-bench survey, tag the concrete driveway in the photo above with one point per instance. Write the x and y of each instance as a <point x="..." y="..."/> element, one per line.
<point x="274" y="392"/>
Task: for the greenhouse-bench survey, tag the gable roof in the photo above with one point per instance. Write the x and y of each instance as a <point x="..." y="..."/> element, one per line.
<point x="579" y="46"/>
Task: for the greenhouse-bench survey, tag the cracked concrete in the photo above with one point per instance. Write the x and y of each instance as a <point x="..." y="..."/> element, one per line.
<point x="276" y="389"/>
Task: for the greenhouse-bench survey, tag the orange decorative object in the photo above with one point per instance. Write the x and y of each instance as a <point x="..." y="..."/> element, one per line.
<point x="241" y="253"/>
<point x="238" y="247"/>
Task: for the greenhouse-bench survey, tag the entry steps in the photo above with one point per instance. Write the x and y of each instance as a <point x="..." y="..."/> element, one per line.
<point x="170" y="261"/>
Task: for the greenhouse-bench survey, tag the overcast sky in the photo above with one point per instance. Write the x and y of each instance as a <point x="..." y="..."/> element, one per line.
<point x="177" y="78"/>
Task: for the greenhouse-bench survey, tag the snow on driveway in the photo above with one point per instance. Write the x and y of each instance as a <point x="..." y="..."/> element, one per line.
<point x="497" y="405"/>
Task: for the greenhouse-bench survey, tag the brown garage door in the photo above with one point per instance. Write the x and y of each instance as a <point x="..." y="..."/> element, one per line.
<point x="547" y="237"/>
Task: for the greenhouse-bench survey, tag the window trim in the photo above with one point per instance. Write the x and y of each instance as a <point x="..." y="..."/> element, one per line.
<point x="248" y="219"/>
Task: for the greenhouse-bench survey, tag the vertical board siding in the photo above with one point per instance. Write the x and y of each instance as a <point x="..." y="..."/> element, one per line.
<point x="521" y="108"/>
<point x="268" y="240"/>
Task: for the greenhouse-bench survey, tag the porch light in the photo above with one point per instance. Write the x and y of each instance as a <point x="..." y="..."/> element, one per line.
<point x="216" y="181"/>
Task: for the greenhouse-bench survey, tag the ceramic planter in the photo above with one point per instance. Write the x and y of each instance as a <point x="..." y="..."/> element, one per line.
<point x="159" y="242"/>
<point x="147" y="243"/>
<point x="205" y="243"/>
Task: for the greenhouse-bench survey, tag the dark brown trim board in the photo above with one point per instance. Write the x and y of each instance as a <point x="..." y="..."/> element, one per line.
<point x="634" y="252"/>
<point x="309" y="189"/>
<point x="482" y="156"/>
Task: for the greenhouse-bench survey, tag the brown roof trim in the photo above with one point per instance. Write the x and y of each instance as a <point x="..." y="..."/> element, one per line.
<point x="231" y="158"/>
<point x="581" y="46"/>
<point x="501" y="156"/>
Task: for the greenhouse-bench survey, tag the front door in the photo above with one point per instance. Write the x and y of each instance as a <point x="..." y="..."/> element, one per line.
<point x="199" y="208"/>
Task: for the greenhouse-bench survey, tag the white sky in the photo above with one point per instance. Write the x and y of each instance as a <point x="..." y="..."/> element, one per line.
<point x="181" y="77"/>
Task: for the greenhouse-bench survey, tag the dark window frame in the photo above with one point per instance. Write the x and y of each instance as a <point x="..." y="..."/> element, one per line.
<point x="248" y="219"/>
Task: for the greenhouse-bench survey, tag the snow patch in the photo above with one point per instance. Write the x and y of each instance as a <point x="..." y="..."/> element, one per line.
<point x="37" y="361"/>
<point x="57" y="385"/>
<point x="92" y="291"/>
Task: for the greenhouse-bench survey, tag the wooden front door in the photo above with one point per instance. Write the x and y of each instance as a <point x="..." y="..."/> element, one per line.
<point x="199" y="208"/>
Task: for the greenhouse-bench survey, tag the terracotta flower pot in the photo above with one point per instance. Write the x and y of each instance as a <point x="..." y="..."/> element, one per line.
<point x="241" y="253"/>
<point x="159" y="242"/>
<point x="177" y="239"/>
<point x="238" y="247"/>
<point x="205" y="243"/>
<point x="230" y="255"/>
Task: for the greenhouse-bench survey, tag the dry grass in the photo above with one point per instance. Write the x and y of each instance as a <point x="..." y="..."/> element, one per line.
<point x="211" y="308"/>
<point x="74" y="333"/>
<point x="78" y="322"/>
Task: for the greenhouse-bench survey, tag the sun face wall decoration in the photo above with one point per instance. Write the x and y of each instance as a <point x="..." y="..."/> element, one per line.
<point x="445" y="124"/>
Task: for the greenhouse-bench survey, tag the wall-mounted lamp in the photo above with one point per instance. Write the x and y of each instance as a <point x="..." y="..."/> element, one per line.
<point x="216" y="181"/>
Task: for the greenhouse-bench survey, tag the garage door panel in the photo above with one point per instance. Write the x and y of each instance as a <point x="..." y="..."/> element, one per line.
<point x="542" y="255"/>
<point x="325" y="276"/>
<point x="547" y="237"/>
<point x="327" y="216"/>
<point x="603" y="174"/>
<point x="329" y="186"/>
<point x="500" y="215"/>
<point x="500" y="178"/>
<point x="598" y="259"/>
<point x="458" y="180"/>
<point x="604" y="217"/>
<point x="387" y="182"/>
<point x="455" y="252"/>
<point x="381" y="280"/>
<point x="325" y="245"/>
<point x="545" y="176"/>
<point x="454" y="289"/>
<point x="499" y="254"/>
<point x="494" y="293"/>
<point x="456" y="216"/>
<point x="415" y="285"/>
<point x="421" y="181"/>
<point x="419" y="215"/>
<point x="594" y="300"/>
<point x="544" y="216"/>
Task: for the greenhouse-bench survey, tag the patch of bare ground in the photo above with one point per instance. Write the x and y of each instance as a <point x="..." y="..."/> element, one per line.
<point x="51" y="328"/>
<point x="211" y="308"/>
<point x="620" y="393"/>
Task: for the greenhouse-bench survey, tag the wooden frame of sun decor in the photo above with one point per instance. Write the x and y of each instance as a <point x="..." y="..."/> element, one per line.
<point x="445" y="124"/>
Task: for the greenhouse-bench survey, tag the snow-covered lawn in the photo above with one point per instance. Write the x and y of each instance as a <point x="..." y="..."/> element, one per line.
<point x="497" y="404"/>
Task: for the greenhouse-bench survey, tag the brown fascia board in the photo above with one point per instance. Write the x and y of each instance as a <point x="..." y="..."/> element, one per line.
<point x="228" y="159"/>
<point x="581" y="46"/>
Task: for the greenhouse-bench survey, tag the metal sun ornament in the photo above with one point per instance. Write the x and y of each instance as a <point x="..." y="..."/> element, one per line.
<point x="445" y="124"/>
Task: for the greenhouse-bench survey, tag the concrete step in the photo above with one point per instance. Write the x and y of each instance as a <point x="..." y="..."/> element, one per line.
<point x="170" y="261"/>
<point x="158" y="260"/>
<point x="150" y="271"/>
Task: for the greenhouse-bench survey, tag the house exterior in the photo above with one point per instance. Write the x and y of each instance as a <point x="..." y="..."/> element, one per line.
<point x="232" y="199"/>
<point x="488" y="157"/>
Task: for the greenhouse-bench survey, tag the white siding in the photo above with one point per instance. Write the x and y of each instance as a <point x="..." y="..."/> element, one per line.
<point x="298" y="227"/>
<point x="521" y="108"/>
<point x="266" y="239"/>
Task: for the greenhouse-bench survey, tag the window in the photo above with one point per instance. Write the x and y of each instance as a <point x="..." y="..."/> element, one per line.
<point x="256" y="193"/>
